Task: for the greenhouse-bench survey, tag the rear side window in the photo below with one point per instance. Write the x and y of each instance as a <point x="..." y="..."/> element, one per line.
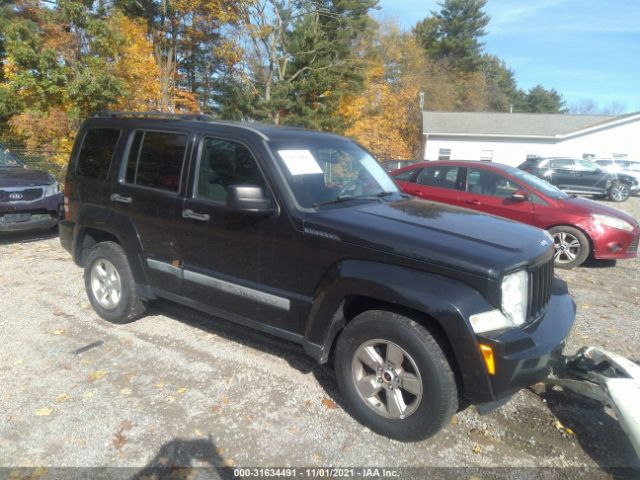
<point x="155" y="160"/>
<point x="441" y="177"/>
<point x="97" y="152"/>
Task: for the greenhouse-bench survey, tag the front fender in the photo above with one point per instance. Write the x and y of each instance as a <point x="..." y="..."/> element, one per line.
<point x="448" y="302"/>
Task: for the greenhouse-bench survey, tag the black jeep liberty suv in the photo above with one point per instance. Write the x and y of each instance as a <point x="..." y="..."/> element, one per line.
<point x="422" y="307"/>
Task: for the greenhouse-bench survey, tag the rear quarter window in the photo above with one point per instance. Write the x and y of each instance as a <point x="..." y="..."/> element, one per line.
<point x="96" y="153"/>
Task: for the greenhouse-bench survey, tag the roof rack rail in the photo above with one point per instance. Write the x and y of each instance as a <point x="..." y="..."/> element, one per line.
<point x="175" y="116"/>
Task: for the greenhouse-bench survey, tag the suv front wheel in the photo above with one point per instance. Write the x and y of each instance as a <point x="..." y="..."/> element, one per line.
<point x="394" y="376"/>
<point x="110" y="285"/>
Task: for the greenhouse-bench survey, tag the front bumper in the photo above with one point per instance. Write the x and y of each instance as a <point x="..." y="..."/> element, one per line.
<point x="527" y="356"/>
<point x="42" y="214"/>
<point x="613" y="244"/>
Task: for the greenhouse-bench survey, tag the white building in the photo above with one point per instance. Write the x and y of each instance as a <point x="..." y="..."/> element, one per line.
<point x="510" y="138"/>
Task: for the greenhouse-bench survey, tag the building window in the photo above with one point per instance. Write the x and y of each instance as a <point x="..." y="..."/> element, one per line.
<point x="444" y="154"/>
<point x="486" y="155"/>
<point x="532" y="156"/>
<point x="620" y="155"/>
<point x="586" y="156"/>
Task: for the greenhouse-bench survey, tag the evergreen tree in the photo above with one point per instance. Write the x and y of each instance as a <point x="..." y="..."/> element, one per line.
<point x="454" y="33"/>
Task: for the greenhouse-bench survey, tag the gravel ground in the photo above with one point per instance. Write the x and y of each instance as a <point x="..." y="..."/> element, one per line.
<point x="181" y="388"/>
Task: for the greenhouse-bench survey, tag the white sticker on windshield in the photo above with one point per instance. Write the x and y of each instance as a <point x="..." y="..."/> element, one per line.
<point x="300" y="162"/>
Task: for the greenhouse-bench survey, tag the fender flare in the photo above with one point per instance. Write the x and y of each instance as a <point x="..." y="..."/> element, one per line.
<point x="446" y="301"/>
<point x="92" y="217"/>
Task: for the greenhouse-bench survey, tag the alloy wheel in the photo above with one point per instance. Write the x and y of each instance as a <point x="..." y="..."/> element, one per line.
<point x="387" y="379"/>
<point x="105" y="284"/>
<point x="619" y="192"/>
<point x="567" y="247"/>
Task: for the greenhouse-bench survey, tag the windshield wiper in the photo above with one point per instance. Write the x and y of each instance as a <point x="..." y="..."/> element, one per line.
<point x="346" y="198"/>
<point x="386" y="194"/>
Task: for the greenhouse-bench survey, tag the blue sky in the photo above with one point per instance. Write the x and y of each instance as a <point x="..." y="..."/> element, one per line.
<point x="585" y="49"/>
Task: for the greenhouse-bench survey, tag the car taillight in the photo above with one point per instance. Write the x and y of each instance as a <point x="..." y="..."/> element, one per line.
<point x="67" y="208"/>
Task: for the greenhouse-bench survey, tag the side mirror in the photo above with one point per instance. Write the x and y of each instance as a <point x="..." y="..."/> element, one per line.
<point x="249" y="199"/>
<point x="520" y="196"/>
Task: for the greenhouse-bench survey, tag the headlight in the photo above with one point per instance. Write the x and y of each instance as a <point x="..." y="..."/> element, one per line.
<point x="613" y="222"/>
<point x="515" y="295"/>
<point x="51" y="189"/>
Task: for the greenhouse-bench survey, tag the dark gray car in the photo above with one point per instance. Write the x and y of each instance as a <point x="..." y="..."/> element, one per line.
<point x="29" y="199"/>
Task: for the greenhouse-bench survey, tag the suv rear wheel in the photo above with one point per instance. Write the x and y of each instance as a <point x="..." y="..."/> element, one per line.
<point x="619" y="192"/>
<point x="110" y="285"/>
<point x="394" y="376"/>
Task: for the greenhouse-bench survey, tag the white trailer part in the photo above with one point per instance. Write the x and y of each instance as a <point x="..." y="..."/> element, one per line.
<point x="609" y="378"/>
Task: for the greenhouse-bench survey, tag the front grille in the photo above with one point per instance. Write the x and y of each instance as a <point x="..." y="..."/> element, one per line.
<point x="633" y="248"/>
<point x="26" y="195"/>
<point x="540" y="283"/>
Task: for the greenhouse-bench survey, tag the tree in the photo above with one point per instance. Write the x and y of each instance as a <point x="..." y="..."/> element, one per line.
<point x="502" y="88"/>
<point x="188" y="44"/>
<point x="590" y="107"/>
<point x="297" y="60"/>
<point x="541" y="100"/>
<point x="454" y="33"/>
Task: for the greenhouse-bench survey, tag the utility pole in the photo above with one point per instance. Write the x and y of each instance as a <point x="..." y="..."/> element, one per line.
<point x="421" y="137"/>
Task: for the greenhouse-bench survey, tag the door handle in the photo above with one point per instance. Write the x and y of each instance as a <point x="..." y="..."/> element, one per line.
<point x="474" y="202"/>
<point x="121" y="199"/>
<point x="201" y="217"/>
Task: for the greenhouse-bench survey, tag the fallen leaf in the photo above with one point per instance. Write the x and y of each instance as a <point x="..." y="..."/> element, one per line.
<point x="569" y="432"/>
<point x="97" y="375"/>
<point x="307" y="403"/>
<point x="159" y="385"/>
<point x="58" y="331"/>
<point x="225" y="400"/>
<point x="44" y="412"/>
<point x="63" y="397"/>
<point x="57" y="312"/>
<point x="219" y="451"/>
<point x="330" y="404"/>
<point x="171" y="399"/>
<point x="18" y="362"/>
<point x="126" y="425"/>
<point x="119" y="440"/>
<point x="476" y="449"/>
<point x="558" y="425"/>
<point x="88" y="394"/>
<point x="454" y="420"/>
<point x="125" y="391"/>
<point x="182" y="390"/>
<point x="197" y="433"/>
<point x="228" y="462"/>
<point x="215" y="408"/>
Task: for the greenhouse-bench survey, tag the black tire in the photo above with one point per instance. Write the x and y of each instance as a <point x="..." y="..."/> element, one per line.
<point x="619" y="192"/>
<point x="130" y="305"/>
<point x="563" y="257"/>
<point x="438" y="403"/>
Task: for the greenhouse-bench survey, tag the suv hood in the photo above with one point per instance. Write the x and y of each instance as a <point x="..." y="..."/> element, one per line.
<point x="23" y="177"/>
<point x="584" y="206"/>
<point x="439" y="234"/>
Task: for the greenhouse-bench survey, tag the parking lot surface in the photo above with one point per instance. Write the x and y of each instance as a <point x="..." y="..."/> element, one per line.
<point x="178" y="387"/>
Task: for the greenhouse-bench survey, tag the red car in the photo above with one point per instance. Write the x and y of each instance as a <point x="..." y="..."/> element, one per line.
<point x="579" y="227"/>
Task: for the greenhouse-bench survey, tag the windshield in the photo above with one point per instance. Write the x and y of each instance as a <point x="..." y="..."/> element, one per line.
<point x="8" y="159"/>
<point x="538" y="184"/>
<point x="327" y="170"/>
